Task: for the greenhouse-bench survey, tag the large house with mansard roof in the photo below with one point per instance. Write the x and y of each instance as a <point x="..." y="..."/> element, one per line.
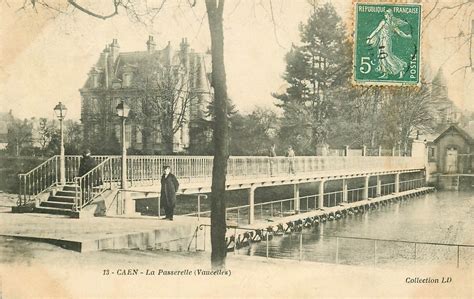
<point x="119" y="76"/>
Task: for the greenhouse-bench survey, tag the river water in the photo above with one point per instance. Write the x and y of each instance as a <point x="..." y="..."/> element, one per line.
<point x="440" y="217"/>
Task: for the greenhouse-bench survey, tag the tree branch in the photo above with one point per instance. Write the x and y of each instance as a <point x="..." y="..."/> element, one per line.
<point x="93" y="14"/>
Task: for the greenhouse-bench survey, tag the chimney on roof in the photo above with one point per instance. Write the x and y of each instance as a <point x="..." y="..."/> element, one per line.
<point x="168" y="53"/>
<point x="104" y="57"/>
<point x="184" y="52"/>
<point x="184" y="46"/>
<point x="114" y="49"/>
<point x="150" y="44"/>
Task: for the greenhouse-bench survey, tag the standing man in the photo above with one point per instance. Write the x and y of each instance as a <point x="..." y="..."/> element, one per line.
<point x="169" y="187"/>
<point x="87" y="163"/>
<point x="291" y="160"/>
<point x="272" y="155"/>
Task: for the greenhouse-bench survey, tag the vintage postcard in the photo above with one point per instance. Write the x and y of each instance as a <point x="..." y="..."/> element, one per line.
<point x="236" y="149"/>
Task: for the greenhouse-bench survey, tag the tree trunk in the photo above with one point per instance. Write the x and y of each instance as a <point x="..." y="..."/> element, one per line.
<point x="167" y="143"/>
<point x="221" y="148"/>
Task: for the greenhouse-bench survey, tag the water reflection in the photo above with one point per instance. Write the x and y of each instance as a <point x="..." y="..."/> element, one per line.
<point x="442" y="217"/>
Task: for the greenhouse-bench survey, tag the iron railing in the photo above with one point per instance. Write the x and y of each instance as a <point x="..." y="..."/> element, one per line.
<point x="95" y="182"/>
<point x="46" y="175"/>
<point x="377" y="251"/>
<point x="284" y="207"/>
<point x="147" y="170"/>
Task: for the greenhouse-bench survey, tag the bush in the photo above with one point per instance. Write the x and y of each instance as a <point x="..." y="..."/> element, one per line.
<point x="10" y="167"/>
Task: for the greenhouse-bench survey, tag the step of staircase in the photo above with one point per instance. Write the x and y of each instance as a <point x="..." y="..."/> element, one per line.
<point x="57" y="198"/>
<point x="66" y="193"/>
<point x="56" y="211"/>
<point x="57" y="204"/>
<point x="70" y="188"/>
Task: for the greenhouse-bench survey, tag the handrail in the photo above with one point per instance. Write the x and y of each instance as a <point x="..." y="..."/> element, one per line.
<point x="41" y="165"/>
<point x="92" y="184"/>
<point x="37" y="180"/>
<point x="43" y="177"/>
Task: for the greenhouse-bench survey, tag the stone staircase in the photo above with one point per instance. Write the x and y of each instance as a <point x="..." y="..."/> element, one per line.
<point x="59" y="203"/>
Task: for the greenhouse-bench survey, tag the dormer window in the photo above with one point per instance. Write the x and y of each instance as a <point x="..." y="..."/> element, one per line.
<point x="95" y="77"/>
<point x="116" y="83"/>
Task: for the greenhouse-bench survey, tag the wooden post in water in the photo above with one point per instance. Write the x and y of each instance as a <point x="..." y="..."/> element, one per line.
<point x="344" y="190"/>
<point x="251" y="205"/>
<point x="365" y="193"/>
<point x="379" y="186"/>
<point x="296" y="197"/>
<point x="321" y="195"/>
<point x="397" y="183"/>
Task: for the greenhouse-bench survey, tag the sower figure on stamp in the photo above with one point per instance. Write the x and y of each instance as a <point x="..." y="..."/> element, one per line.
<point x="382" y="38"/>
<point x="169" y="187"/>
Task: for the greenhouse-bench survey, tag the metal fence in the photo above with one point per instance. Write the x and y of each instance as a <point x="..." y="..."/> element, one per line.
<point x="147" y="170"/>
<point x="284" y="207"/>
<point x="364" y="251"/>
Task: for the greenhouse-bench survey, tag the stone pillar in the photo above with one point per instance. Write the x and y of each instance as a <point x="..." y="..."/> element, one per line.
<point x="251" y="205"/>
<point x="379" y="186"/>
<point x="397" y="183"/>
<point x="365" y="192"/>
<point x="364" y="150"/>
<point x="344" y="190"/>
<point x="346" y="150"/>
<point x="296" y="196"/>
<point x="128" y="204"/>
<point x="321" y="195"/>
<point x="380" y="150"/>
<point x="419" y="151"/>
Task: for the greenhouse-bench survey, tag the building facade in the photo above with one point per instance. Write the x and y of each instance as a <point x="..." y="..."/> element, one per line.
<point x="451" y="152"/>
<point x="167" y="90"/>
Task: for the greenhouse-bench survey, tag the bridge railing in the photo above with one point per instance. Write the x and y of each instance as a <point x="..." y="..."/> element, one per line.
<point x="96" y="181"/>
<point x="46" y="175"/>
<point x="147" y="170"/>
<point x="144" y="170"/>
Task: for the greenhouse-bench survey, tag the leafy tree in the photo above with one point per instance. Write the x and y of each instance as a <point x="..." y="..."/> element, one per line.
<point x="73" y="137"/>
<point x="46" y="130"/>
<point x="319" y="65"/>
<point x="253" y="134"/>
<point x="19" y="136"/>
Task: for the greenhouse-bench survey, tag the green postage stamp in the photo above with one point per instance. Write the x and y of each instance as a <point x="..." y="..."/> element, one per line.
<point x="387" y="44"/>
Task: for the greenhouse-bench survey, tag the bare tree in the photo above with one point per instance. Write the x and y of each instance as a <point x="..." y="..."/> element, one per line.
<point x="408" y="110"/>
<point x="459" y="14"/>
<point x="162" y="105"/>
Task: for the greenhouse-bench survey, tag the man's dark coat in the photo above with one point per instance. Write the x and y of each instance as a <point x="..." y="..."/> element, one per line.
<point x="87" y="164"/>
<point x="169" y="186"/>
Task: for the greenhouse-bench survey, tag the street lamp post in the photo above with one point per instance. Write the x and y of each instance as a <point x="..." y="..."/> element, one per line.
<point x="60" y="110"/>
<point x="122" y="112"/>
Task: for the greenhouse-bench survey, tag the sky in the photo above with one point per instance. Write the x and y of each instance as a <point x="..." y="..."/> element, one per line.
<point x="45" y="57"/>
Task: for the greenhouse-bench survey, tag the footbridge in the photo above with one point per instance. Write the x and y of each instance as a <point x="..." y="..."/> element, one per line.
<point x="99" y="192"/>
